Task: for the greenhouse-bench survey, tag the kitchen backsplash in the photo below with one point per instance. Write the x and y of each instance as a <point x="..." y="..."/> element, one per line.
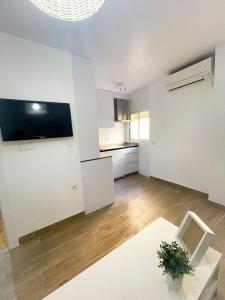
<point x="114" y="135"/>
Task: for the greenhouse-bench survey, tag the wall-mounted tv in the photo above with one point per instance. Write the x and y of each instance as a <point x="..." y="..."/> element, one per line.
<point x="25" y="120"/>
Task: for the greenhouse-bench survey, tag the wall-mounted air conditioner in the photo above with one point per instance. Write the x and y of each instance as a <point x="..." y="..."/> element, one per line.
<point x="196" y="73"/>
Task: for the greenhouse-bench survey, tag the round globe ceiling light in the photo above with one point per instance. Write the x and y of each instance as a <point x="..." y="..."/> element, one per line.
<point x="69" y="10"/>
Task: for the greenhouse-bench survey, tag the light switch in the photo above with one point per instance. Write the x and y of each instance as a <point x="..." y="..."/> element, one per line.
<point x="25" y="147"/>
<point x="71" y="143"/>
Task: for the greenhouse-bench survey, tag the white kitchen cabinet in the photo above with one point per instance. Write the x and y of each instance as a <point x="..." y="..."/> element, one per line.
<point x="125" y="161"/>
<point x="118" y="159"/>
<point x="98" y="183"/>
<point x="105" y="108"/>
<point x="132" y="160"/>
<point x="119" y="163"/>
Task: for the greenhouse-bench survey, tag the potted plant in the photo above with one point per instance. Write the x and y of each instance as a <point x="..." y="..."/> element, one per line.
<point x="174" y="261"/>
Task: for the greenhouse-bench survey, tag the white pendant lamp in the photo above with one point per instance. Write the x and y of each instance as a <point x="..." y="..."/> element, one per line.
<point x="69" y="10"/>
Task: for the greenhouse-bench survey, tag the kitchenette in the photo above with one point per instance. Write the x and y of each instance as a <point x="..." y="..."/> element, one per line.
<point x="121" y="151"/>
<point x="113" y="124"/>
<point x="125" y="158"/>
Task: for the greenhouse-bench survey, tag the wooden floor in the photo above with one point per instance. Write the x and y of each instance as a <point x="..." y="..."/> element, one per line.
<point x="45" y="263"/>
<point x="2" y="235"/>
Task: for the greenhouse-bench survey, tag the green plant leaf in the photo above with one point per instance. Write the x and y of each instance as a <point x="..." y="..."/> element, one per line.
<point x="174" y="260"/>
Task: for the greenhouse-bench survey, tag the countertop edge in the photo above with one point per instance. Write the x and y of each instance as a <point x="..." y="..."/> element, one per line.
<point x="91" y="159"/>
<point x="118" y="148"/>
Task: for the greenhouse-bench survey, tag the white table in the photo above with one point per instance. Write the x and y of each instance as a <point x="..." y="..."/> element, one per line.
<point x="131" y="272"/>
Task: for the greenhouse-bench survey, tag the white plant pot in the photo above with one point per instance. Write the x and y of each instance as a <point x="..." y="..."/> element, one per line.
<point x="174" y="284"/>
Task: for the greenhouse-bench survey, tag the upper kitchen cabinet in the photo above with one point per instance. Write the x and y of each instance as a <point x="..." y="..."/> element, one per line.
<point x="105" y="109"/>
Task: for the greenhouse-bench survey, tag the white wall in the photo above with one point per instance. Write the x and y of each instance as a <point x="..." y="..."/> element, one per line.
<point x="115" y="135"/>
<point x="6" y="208"/>
<point x="181" y="131"/>
<point x="140" y="102"/>
<point x="188" y="132"/>
<point x="40" y="180"/>
<point x="85" y="96"/>
<point x="121" y="95"/>
<point x="217" y="170"/>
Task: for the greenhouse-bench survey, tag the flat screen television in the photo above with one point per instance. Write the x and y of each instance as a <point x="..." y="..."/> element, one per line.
<point x="25" y="120"/>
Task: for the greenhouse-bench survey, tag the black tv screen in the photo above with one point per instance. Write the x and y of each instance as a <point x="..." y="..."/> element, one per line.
<point x="25" y="120"/>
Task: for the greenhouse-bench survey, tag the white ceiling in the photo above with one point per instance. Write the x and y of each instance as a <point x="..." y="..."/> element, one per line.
<point x="133" y="41"/>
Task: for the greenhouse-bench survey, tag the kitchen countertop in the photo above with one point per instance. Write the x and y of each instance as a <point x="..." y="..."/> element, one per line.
<point x="105" y="148"/>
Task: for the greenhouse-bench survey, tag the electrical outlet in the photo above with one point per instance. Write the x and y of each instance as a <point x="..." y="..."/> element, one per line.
<point x="74" y="187"/>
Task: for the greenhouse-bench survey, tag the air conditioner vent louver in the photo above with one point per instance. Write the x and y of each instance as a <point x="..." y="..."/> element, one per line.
<point x="191" y="75"/>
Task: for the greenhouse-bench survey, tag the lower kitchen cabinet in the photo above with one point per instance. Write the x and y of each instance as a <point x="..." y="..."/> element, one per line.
<point x="132" y="167"/>
<point x="119" y="166"/>
<point x="125" y="161"/>
<point x="98" y="183"/>
<point x="132" y="160"/>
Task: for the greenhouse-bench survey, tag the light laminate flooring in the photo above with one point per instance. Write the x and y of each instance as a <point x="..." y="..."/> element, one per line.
<point x="3" y="244"/>
<point x="43" y="264"/>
